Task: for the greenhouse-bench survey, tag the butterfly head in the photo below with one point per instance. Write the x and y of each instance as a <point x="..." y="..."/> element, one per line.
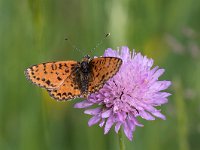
<point x="86" y="58"/>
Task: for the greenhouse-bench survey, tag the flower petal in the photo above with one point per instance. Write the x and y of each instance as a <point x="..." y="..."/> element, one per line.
<point x="125" y="53"/>
<point x="159" y="115"/>
<point x="106" y="113"/>
<point x="94" y="120"/>
<point x="127" y="131"/>
<point x="101" y="124"/>
<point x="117" y="126"/>
<point x="109" y="124"/>
<point x="146" y="115"/>
<point x="83" y="104"/>
<point x="94" y="111"/>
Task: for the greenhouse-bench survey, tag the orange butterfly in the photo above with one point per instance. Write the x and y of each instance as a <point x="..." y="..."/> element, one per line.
<point x="66" y="80"/>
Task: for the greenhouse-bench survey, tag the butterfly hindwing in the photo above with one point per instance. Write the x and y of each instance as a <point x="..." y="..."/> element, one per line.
<point x="69" y="89"/>
<point x="103" y="68"/>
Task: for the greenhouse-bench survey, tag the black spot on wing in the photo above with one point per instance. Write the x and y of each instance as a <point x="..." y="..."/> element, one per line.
<point x="59" y="78"/>
<point x="48" y="82"/>
<point x="59" y="94"/>
<point x="103" y="77"/>
<point x="60" y="66"/>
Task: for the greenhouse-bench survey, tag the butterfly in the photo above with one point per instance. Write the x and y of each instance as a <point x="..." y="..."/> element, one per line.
<point x="65" y="80"/>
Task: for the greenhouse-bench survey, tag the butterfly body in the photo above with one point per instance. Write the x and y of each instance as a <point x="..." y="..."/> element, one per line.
<point x="66" y="80"/>
<point x="83" y="74"/>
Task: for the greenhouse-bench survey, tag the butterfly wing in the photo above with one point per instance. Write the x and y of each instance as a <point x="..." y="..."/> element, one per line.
<point x="103" y="68"/>
<point x="68" y="90"/>
<point x="56" y="77"/>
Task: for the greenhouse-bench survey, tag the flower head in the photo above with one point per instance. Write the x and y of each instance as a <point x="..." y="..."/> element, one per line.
<point x="134" y="91"/>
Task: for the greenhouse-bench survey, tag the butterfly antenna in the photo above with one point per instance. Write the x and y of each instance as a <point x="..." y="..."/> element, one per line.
<point x="74" y="46"/>
<point x="101" y="42"/>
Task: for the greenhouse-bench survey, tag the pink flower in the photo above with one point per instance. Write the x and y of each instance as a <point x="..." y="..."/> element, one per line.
<point x="133" y="92"/>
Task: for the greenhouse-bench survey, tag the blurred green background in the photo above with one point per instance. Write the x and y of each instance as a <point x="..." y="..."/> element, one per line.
<point x="33" y="31"/>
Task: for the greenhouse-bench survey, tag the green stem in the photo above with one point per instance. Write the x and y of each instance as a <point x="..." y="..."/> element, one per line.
<point x="121" y="140"/>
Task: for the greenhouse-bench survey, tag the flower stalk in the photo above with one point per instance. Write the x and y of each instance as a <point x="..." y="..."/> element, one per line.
<point x="121" y="140"/>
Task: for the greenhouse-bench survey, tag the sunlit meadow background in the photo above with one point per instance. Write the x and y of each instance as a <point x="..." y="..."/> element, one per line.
<point x="33" y="31"/>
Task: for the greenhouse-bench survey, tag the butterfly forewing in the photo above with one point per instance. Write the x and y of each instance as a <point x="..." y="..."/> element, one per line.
<point x="49" y="75"/>
<point x="103" y="68"/>
<point x="56" y="77"/>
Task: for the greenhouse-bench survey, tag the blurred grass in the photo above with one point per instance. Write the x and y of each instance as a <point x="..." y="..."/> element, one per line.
<point x="33" y="31"/>
<point x="182" y="117"/>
